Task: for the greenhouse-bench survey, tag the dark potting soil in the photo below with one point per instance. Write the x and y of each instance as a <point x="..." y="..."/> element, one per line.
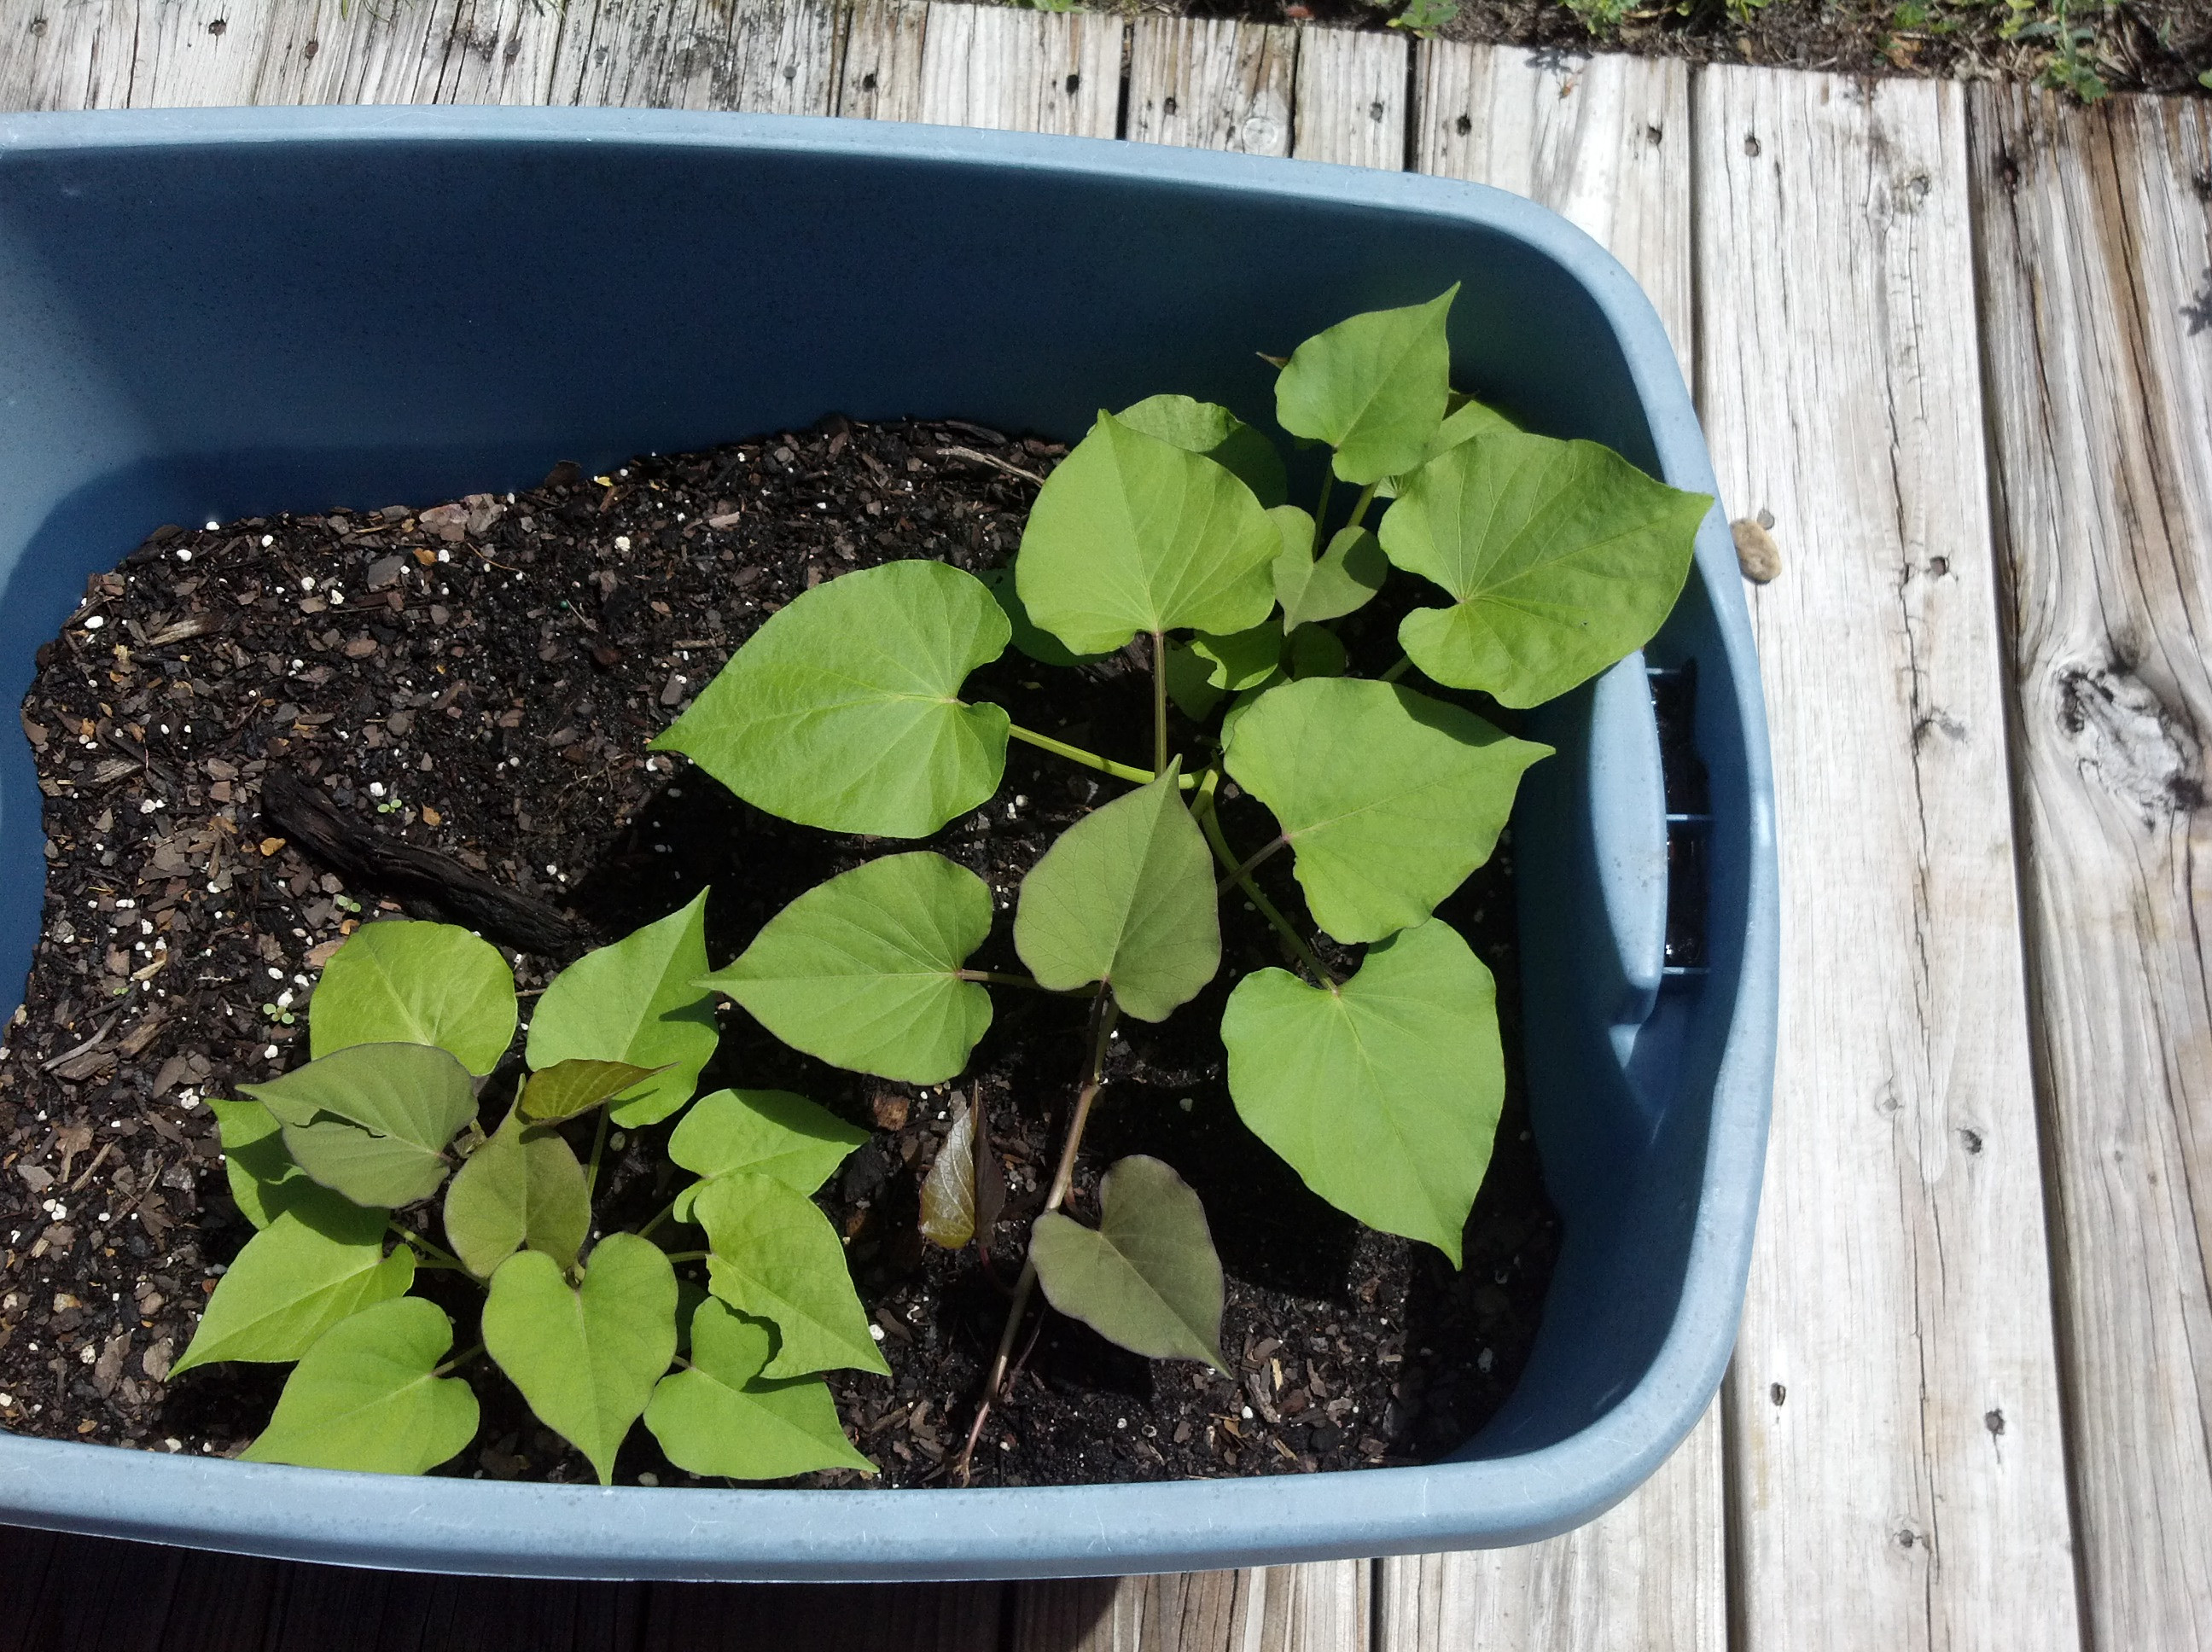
<point x="479" y="681"/>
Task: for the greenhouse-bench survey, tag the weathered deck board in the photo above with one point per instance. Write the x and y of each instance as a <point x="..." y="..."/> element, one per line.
<point x="1023" y="71"/>
<point x="1604" y="142"/>
<point x="1317" y="1608"/>
<point x="1350" y="106"/>
<point x="881" y="78"/>
<point x="2097" y="275"/>
<point x="1574" y="134"/>
<point x="1899" y="1472"/>
<point x="501" y="51"/>
<point x="1213" y="83"/>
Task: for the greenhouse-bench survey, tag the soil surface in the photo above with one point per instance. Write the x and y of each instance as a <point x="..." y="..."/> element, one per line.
<point x="2084" y="47"/>
<point x="480" y="679"/>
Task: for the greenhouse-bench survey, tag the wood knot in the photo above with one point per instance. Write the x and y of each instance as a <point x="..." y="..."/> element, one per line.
<point x="2130" y="741"/>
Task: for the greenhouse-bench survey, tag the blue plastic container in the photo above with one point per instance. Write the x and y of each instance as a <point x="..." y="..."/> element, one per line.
<point x="223" y="313"/>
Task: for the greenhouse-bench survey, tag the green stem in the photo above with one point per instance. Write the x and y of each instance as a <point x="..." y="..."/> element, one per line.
<point x="998" y="978"/>
<point x="1405" y="664"/>
<point x="599" y="1146"/>
<point x="460" y="1359"/>
<point x="1320" y="510"/>
<point x="1359" y="510"/>
<point x="1076" y="754"/>
<point x="1159" y="701"/>
<point x="666" y="1211"/>
<point x="1212" y="826"/>
<point x="687" y="1256"/>
<point x="1237" y="874"/>
<point x="438" y="1257"/>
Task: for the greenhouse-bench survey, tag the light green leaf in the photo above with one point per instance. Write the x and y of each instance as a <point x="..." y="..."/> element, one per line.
<point x="577" y="1085"/>
<point x="1147" y="1276"/>
<point x="524" y="1187"/>
<point x="396" y="982"/>
<point x="1373" y="387"/>
<point x="586" y="1359"/>
<point x="1212" y="429"/>
<point x="1388" y="798"/>
<point x="262" y="1176"/>
<point x="295" y="1278"/>
<point x="1132" y="534"/>
<point x="843" y="710"/>
<point x="365" y="1397"/>
<point x="1316" y="651"/>
<point x="1125" y="896"/>
<point x="1242" y="659"/>
<point x="770" y="1132"/>
<point x="773" y="1256"/>
<point x="722" y="1417"/>
<point x="373" y="1121"/>
<point x="1339" y="581"/>
<point x="1467" y="421"/>
<point x="1383" y="1095"/>
<point x="1560" y="557"/>
<point x="1029" y="638"/>
<point x="863" y="971"/>
<point x="638" y="1001"/>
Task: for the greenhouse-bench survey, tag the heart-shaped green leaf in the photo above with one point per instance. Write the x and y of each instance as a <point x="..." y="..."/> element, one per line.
<point x="373" y="1121"/>
<point x="1029" y="638"/>
<point x="722" y="1417"/>
<point x="775" y="1255"/>
<point x="1467" y="421"/>
<point x="365" y="1397"/>
<point x="1209" y="429"/>
<point x="864" y="971"/>
<point x="1339" y="581"/>
<point x="1125" y="896"/>
<point x="1132" y="534"/>
<point x="1316" y="651"/>
<point x="586" y="1359"/>
<point x="1147" y="1276"/>
<point x="770" y="1132"/>
<point x="844" y="710"/>
<point x="309" y="1268"/>
<point x="1389" y="798"/>
<point x="638" y="1001"/>
<point x="1242" y="659"/>
<point x="521" y="1187"/>
<point x="576" y="1085"/>
<point x="396" y="982"/>
<point x="1373" y="387"/>
<point x="1384" y="1094"/>
<point x="262" y="1176"/>
<point x="1560" y="557"/>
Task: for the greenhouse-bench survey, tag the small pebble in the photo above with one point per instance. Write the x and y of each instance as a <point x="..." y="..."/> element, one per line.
<point x="1756" y="553"/>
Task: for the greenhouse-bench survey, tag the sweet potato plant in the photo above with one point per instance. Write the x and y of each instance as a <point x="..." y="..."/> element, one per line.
<point x="1544" y="562"/>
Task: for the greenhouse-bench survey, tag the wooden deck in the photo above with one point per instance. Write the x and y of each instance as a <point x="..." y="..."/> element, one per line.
<point x="1958" y="341"/>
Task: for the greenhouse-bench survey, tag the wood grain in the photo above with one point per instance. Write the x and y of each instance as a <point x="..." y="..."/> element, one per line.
<point x="1604" y="142"/>
<point x="1212" y="83"/>
<point x="1898" y="1470"/>
<point x="1324" y="1608"/>
<point x="501" y="51"/>
<point x="1023" y="71"/>
<point x="881" y="78"/>
<point x="2097" y="275"/>
<point x="1351" y="103"/>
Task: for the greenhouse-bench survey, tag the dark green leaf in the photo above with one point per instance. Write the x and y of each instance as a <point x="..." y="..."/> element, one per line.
<point x="1242" y="659"/>
<point x="396" y="982"/>
<point x="295" y="1278"/>
<point x="863" y="971"/>
<point x="373" y="1121"/>
<point x="1209" y="429"/>
<point x="1383" y="1095"/>
<point x="1124" y="896"/>
<point x="1316" y="651"/>
<point x="1560" y="557"/>
<point x="576" y="1085"/>
<point x="1388" y="798"/>
<point x="1373" y="387"/>
<point x="524" y="1187"/>
<point x="775" y="1256"/>
<point x="1029" y="638"/>
<point x="365" y="1397"/>
<point x="262" y="1176"/>
<point x="843" y="710"/>
<point x="586" y="1359"/>
<point x="1467" y="420"/>
<point x="638" y="1001"/>
<point x="1133" y="534"/>
<point x="722" y="1417"/>
<point x="1341" y="580"/>
<point x="1147" y="1277"/>
<point x="1188" y="684"/>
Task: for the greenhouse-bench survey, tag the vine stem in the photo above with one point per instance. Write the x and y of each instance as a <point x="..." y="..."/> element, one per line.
<point x="666" y="1211"/>
<point x="1159" y="702"/>
<point x="1359" y="510"/>
<point x="460" y="1359"/>
<point x="999" y="978"/>
<point x="1076" y="754"/>
<point x="675" y="1256"/>
<point x="1320" y="510"/>
<point x="598" y="1145"/>
<point x="1210" y="823"/>
<point x="1239" y="873"/>
<point x="1104" y="1014"/>
<point x="1405" y="664"/>
<point x="439" y="1258"/>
